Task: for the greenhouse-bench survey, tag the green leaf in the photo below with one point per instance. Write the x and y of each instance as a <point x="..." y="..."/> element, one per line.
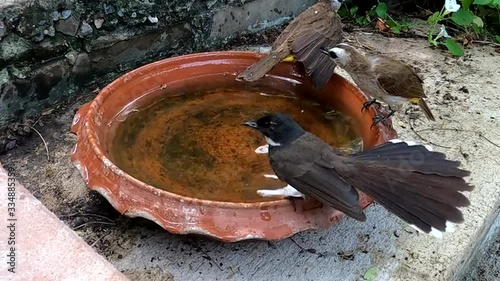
<point x="396" y="29"/>
<point x="354" y="10"/>
<point x="481" y="2"/>
<point x="381" y="10"/>
<point x="478" y="21"/>
<point x="497" y="38"/>
<point x="463" y="17"/>
<point x="466" y="4"/>
<point x="362" y="21"/>
<point x="434" y="18"/>
<point x="371" y="273"/>
<point x="454" y="48"/>
<point x="343" y="12"/>
<point x="476" y="28"/>
<point x="391" y="23"/>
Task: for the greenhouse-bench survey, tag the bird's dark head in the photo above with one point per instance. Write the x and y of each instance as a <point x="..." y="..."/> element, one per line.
<point x="342" y="54"/>
<point x="278" y="129"/>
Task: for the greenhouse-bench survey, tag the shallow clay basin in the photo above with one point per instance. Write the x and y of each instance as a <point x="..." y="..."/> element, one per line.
<point x="120" y="174"/>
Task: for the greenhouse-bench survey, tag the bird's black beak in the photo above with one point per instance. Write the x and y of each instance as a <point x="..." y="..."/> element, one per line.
<point x="251" y="124"/>
<point x="324" y="51"/>
<point x="328" y="53"/>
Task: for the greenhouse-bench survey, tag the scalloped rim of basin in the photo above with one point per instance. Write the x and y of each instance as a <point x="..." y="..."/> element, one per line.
<point x="88" y="143"/>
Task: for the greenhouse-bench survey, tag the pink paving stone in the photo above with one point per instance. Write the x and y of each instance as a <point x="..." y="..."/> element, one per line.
<point x="45" y="248"/>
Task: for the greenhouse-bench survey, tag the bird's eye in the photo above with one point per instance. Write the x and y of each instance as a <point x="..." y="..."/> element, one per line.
<point x="272" y="125"/>
<point x="333" y="54"/>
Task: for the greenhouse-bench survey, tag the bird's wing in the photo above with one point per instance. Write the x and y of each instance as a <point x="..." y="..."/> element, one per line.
<point x="318" y="66"/>
<point x="296" y="25"/>
<point x="282" y="40"/>
<point x="397" y="78"/>
<point x="309" y="166"/>
<point x="318" y="26"/>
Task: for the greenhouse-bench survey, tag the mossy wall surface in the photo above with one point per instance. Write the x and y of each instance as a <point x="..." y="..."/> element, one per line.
<point x="52" y="50"/>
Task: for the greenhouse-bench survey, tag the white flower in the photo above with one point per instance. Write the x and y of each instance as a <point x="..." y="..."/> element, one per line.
<point x="451" y="6"/>
<point x="442" y="33"/>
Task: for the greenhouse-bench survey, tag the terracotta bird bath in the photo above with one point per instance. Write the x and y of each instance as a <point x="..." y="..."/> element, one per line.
<point x="96" y="125"/>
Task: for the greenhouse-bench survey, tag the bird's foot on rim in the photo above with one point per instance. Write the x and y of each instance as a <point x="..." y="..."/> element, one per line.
<point x="380" y="119"/>
<point x="391" y="112"/>
<point x="293" y="201"/>
<point x="370" y="103"/>
<point x="287" y="191"/>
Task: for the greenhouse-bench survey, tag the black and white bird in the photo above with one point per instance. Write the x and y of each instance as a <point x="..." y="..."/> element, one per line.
<point x="413" y="182"/>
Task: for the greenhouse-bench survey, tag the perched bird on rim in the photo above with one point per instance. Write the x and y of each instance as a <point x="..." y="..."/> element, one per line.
<point x="318" y="26"/>
<point x="381" y="77"/>
<point x="418" y="185"/>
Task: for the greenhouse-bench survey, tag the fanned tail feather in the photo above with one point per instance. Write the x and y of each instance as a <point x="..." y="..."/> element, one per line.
<point x="418" y="185"/>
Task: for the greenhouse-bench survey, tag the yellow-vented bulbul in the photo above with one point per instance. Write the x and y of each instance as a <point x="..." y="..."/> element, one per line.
<point x="381" y="77"/>
<point x="317" y="27"/>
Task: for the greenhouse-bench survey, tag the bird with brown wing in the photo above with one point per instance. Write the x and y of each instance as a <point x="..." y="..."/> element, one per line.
<point x="381" y="77"/>
<point x="317" y="27"/>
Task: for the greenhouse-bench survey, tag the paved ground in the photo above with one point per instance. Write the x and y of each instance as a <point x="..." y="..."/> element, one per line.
<point x="464" y="96"/>
<point x="39" y="245"/>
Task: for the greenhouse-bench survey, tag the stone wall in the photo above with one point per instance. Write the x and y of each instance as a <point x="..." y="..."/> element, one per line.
<point x="51" y="50"/>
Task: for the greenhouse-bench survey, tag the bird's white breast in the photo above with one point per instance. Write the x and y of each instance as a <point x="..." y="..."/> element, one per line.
<point x="271" y="142"/>
<point x="374" y="62"/>
<point x="394" y="100"/>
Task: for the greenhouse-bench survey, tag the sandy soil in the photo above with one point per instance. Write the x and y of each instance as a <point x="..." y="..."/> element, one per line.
<point x="464" y="95"/>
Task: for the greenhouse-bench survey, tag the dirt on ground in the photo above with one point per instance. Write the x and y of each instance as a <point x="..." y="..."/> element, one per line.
<point x="464" y="95"/>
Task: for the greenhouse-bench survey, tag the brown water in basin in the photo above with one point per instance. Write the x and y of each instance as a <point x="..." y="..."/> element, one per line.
<point x="194" y="144"/>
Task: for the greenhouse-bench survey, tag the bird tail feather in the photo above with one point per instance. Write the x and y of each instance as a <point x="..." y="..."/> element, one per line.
<point x="418" y="185"/>
<point x="425" y="108"/>
<point x="263" y="66"/>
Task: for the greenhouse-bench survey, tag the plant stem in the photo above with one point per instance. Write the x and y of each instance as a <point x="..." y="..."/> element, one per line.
<point x="433" y="28"/>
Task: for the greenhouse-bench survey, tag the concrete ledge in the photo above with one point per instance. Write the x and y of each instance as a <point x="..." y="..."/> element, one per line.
<point x="484" y="262"/>
<point x="38" y="246"/>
